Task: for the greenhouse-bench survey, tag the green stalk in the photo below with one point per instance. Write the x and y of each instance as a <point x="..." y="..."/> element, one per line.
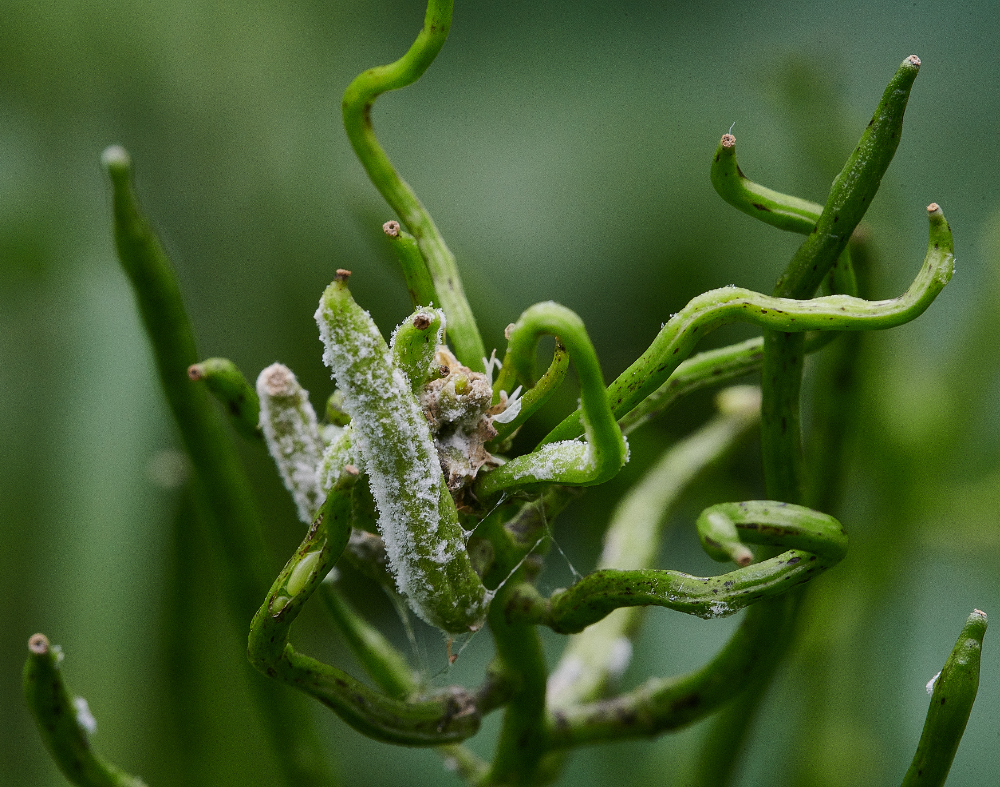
<point x="781" y="372"/>
<point x="523" y="739"/>
<point x="222" y="485"/>
<point x="63" y="722"/>
<point x="954" y="692"/>
<point x="356" y="106"/>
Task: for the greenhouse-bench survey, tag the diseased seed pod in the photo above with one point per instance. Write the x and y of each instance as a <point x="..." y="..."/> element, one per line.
<point x="288" y="422"/>
<point x="418" y="521"/>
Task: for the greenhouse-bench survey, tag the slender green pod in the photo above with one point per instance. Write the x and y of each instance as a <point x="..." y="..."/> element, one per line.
<point x="662" y="704"/>
<point x="65" y="724"/>
<point x="233" y="391"/>
<point x="417" y="517"/>
<point x="715" y="308"/>
<point x="852" y="190"/>
<point x="569" y="462"/>
<point x="414" y="344"/>
<point x="814" y="542"/>
<point x="953" y="691"/>
<point x="357" y="107"/>
<point x="292" y="435"/>
<point x="711" y="367"/>
<point x="779" y="210"/>
<point x="418" y="278"/>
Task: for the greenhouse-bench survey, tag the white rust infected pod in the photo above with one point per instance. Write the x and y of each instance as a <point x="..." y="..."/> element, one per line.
<point x="418" y="521"/>
<point x="288" y="422"/>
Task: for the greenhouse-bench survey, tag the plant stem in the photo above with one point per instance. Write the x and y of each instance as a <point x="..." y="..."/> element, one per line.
<point x="221" y="483"/>
<point x="356" y="106"/>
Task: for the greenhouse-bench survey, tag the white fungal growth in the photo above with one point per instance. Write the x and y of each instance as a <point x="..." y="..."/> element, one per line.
<point x="394" y="443"/>
<point x="931" y="682"/>
<point x="288" y="422"/>
<point x="84" y="717"/>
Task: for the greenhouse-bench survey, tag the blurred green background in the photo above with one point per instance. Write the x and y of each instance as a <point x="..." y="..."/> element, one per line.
<point x="563" y="149"/>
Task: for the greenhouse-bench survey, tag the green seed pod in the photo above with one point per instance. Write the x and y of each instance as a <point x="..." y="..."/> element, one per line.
<point x="779" y="210"/>
<point x="414" y="344"/>
<point x="953" y="691"/>
<point x="418" y="521"/>
<point x="227" y="384"/>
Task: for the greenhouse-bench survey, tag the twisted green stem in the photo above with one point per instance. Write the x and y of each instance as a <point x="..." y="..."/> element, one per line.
<point x="779" y="210"/>
<point x="568" y="462"/>
<point x="715" y="308"/>
<point x="356" y="106"/>
<point x="61" y="721"/>
<point x="814" y="543"/>
<point x="447" y="718"/>
<point x="663" y="704"/>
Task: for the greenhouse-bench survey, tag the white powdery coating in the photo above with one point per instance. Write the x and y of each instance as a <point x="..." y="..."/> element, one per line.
<point x="84" y="717"/>
<point x="394" y="442"/>
<point x="931" y="682"/>
<point x="288" y="422"/>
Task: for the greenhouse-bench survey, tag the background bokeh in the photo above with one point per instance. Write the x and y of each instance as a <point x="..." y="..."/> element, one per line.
<point x="563" y="149"/>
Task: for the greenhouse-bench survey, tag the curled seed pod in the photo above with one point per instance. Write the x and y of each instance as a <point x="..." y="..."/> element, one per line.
<point x="772" y="207"/>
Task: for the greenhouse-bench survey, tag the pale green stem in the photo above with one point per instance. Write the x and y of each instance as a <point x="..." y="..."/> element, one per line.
<point x="715" y="308"/>
<point x="356" y="106"/>
<point x="222" y="486"/>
